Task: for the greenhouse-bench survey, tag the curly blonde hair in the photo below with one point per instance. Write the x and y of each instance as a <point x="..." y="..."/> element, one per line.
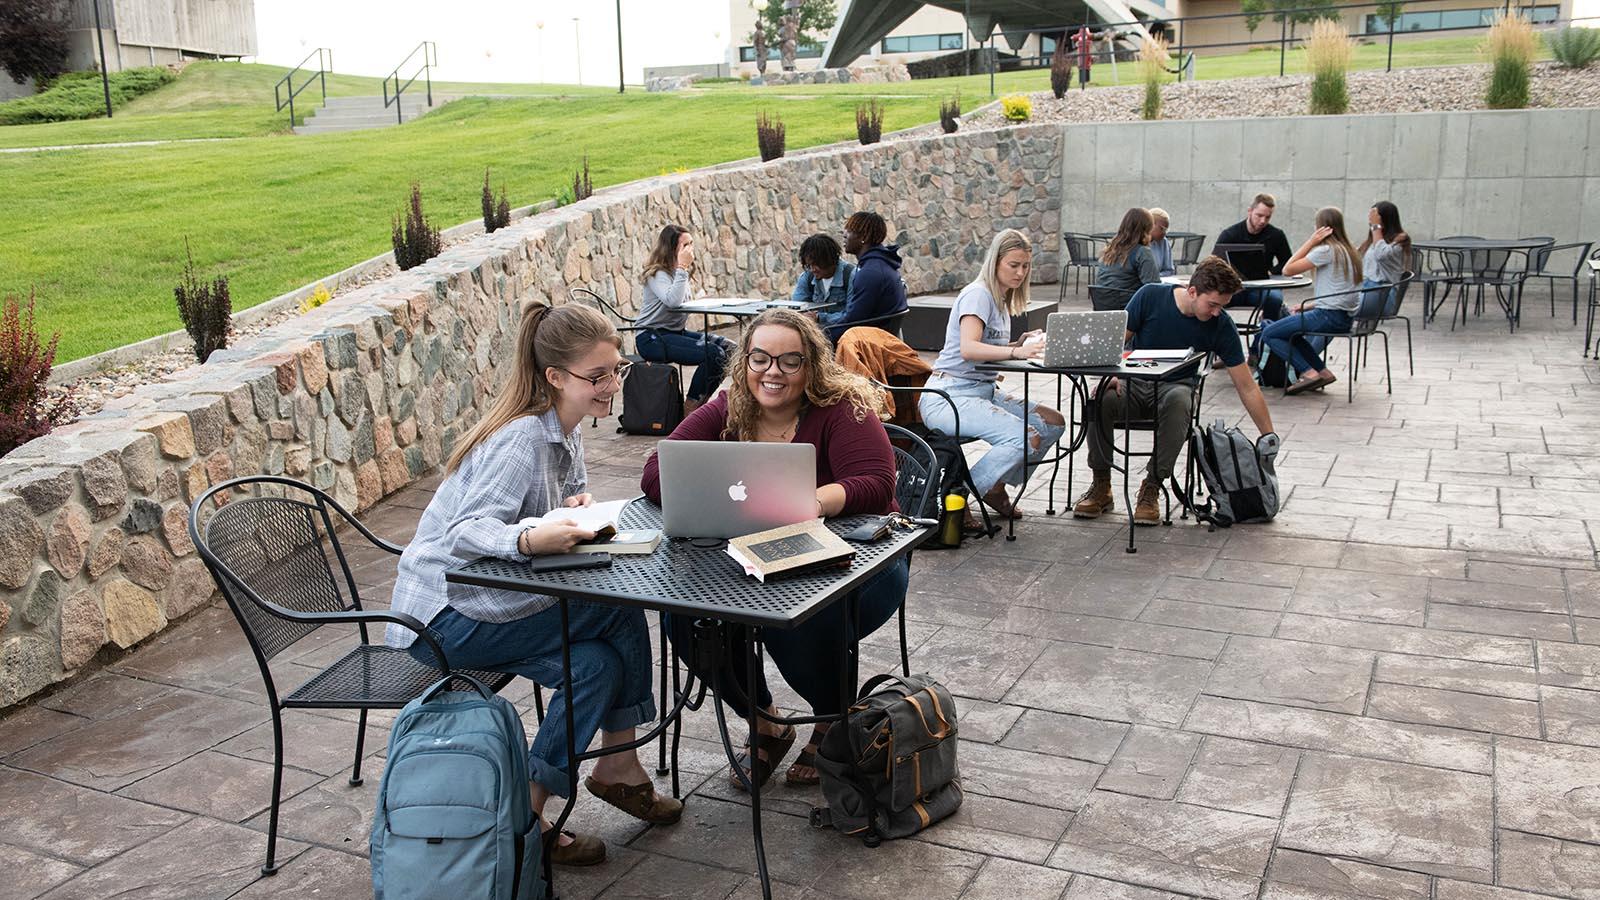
<point x="827" y="382"/>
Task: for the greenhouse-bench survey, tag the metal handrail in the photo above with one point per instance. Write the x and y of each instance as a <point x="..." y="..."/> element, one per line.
<point x="430" y="58"/>
<point x="324" y="66"/>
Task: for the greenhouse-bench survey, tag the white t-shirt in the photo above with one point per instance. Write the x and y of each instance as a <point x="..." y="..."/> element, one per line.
<point x="1331" y="277"/>
<point x="974" y="300"/>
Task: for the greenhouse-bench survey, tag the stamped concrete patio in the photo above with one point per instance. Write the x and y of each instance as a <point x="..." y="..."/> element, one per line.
<point x="1391" y="692"/>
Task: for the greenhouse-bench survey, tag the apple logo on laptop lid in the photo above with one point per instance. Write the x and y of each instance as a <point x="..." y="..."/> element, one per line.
<point x="737" y="492"/>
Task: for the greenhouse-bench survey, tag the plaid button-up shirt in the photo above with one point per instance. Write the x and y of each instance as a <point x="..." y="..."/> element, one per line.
<point x="527" y="468"/>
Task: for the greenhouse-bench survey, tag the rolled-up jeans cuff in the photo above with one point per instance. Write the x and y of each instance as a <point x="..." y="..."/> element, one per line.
<point x="630" y="716"/>
<point x="547" y="776"/>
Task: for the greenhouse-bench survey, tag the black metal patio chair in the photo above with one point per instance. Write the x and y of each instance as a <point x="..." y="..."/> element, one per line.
<point x="1080" y="256"/>
<point x="916" y="487"/>
<point x="273" y="555"/>
<point x="1539" y="266"/>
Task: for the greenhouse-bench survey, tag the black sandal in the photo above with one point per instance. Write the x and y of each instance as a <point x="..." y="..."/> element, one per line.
<point x="770" y="749"/>
<point x="808" y="759"/>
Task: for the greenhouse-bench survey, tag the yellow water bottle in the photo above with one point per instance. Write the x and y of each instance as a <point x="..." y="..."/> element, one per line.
<point x="955" y="508"/>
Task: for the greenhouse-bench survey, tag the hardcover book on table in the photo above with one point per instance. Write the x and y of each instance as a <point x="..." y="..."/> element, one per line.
<point x="789" y="550"/>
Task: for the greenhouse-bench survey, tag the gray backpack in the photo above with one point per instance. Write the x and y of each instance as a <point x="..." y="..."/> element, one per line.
<point x="1238" y="473"/>
<point x="454" y="818"/>
<point x="889" y="770"/>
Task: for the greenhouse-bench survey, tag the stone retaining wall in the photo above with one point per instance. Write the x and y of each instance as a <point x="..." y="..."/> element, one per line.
<point x="846" y="75"/>
<point x="365" y="394"/>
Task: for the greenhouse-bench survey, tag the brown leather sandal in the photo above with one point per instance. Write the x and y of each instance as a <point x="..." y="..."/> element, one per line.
<point x="638" y="800"/>
<point x="585" y="849"/>
<point x="806" y="759"/>
<point x="760" y="763"/>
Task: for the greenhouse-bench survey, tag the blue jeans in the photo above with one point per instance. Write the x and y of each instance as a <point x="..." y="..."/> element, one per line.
<point x="1269" y="299"/>
<point x="995" y="416"/>
<point x="1286" y="337"/>
<point x="611" y="672"/>
<point x="811" y="657"/>
<point x="708" y="353"/>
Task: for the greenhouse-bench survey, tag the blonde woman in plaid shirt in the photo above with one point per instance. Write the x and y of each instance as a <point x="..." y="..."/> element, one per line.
<point x="525" y="458"/>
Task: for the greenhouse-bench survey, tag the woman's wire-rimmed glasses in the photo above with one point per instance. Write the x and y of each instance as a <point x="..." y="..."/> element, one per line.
<point x="602" y="381"/>
<point x="788" y="363"/>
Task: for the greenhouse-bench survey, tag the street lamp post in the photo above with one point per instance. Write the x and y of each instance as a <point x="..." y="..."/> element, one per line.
<point x="621" y="86"/>
<point x="105" y="76"/>
<point x="577" y="50"/>
<point x="539" y="26"/>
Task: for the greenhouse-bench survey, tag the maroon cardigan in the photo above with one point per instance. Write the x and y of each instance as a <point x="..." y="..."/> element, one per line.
<point x="855" y="455"/>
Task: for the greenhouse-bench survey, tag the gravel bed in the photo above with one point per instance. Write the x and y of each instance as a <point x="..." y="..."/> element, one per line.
<point x="1403" y="90"/>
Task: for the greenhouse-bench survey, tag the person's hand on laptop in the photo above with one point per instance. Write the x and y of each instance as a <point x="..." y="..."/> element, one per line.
<point x="553" y="537"/>
<point x="584" y="499"/>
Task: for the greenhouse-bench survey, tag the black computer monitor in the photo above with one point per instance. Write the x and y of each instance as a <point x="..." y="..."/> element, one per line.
<point x="1249" y="260"/>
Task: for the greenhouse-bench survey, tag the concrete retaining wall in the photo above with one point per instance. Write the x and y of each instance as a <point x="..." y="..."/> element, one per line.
<point x="1496" y="174"/>
<point x="366" y="394"/>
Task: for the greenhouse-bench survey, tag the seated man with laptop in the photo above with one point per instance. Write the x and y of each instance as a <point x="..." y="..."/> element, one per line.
<point x="802" y="439"/>
<point x="1257" y="250"/>
<point x="1167" y="317"/>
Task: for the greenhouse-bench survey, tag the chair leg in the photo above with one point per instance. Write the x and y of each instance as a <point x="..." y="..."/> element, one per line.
<point x="1350" y="386"/>
<point x="661" y="757"/>
<point x="271" y="868"/>
<point x="1388" y="376"/>
<point x="1411" y="364"/>
<point x="538" y="704"/>
<point x="361" y="739"/>
<point x="905" y="654"/>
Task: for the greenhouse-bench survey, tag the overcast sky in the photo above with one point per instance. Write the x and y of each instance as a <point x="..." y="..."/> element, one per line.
<point x="497" y="40"/>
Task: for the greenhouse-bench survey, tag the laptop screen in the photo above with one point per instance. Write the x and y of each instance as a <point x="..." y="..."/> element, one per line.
<point x="1249" y="260"/>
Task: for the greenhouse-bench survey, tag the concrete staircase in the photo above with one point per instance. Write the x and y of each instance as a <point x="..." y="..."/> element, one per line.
<point x="361" y="113"/>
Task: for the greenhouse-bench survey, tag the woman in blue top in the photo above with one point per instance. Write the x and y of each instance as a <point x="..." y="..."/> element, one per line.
<point x="979" y="331"/>
<point x="827" y="276"/>
<point x="664" y="336"/>
<point x="523" y="459"/>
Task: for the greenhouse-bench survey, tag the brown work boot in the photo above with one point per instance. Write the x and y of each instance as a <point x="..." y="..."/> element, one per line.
<point x="1147" y="510"/>
<point x="1096" y="501"/>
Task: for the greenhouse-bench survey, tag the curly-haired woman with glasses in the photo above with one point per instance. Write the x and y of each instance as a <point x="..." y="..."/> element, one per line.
<point x="523" y="459"/>
<point x="788" y="388"/>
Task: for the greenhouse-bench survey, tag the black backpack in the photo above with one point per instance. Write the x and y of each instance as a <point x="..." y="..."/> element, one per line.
<point x="1273" y="371"/>
<point x="889" y="769"/>
<point x="652" y="399"/>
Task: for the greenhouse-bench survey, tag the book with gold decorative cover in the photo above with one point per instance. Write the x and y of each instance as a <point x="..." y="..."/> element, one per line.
<point x="790" y="549"/>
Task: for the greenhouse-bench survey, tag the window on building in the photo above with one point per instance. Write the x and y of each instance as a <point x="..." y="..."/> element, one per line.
<point x="1433" y="20"/>
<point x="922" y="43"/>
<point x="747" y="53"/>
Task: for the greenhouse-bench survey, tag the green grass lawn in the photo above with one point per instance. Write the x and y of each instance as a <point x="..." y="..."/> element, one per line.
<point x="225" y="99"/>
<point x="100" y="232"/>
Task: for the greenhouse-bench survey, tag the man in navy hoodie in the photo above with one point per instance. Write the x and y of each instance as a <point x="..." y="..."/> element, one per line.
<point x="876" y="290"/>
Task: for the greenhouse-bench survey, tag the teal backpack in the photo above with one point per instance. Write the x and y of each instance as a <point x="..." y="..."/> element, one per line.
<point x="453" y="817"/>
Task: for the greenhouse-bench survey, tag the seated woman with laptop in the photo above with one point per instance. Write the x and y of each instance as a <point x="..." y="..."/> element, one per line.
<point x="789" y="389"/>
<point x="979" y="330"/>
<point x="523" y="459"/>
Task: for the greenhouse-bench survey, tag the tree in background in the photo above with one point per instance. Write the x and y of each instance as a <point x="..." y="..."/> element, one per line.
<point x="1301" y="12"/>
<point x="812" y="20"/>
<point x="33" y="39"/>
<point x="1255" y="11"/>
<point x="1389" y="13"/>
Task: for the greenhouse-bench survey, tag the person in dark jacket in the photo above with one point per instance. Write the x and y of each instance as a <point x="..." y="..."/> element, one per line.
<point x="876" y="290"/>
<point x="1257" y="228"/>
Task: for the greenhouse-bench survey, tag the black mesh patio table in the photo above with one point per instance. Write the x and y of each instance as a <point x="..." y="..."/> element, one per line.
<point x="704" y="583"/>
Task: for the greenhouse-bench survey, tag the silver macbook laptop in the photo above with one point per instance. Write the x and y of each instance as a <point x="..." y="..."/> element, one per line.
<point x="723" y="489"/>
<point x="1084" y="338"/>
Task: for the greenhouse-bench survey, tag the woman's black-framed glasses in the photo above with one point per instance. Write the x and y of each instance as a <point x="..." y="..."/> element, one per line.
<point x="788" y="363"/>
<point x="602" y="381"/>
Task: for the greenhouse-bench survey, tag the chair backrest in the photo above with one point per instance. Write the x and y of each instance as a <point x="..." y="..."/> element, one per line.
<point x="1080" y="248"/>
<point x="602" y="304"/>
<point x="273" y="550"/>
<point x="1105" y="299"/>
<point x="917" y="476"/>
<point x="1400" y="288"/>
<point x="890" y="323"/>
<point x="1189" y="247"/>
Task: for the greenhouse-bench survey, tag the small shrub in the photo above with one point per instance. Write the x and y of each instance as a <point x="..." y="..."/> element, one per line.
<point x="582" y="188"/>
<point x="1510" y="44"/>
<point x="769" y="137"/>
<point x="1153" y="71"/>
<point x="24" y="373"/>
<point x="79" y="95"/>
<point x="1061" y="68"/>
<point x="1328" y="51"/>
<point x="495" y="215"/>
<point x="950" y="115"/>
<point x="1016" y="107"/>
<point x="319" y="296"/>
<point x="206" y="309"/>
<point x="415" y="239"/>
<point x="869" y="121"/>
<point x="1574" y="48"/>
<point x="565" y="197"/>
